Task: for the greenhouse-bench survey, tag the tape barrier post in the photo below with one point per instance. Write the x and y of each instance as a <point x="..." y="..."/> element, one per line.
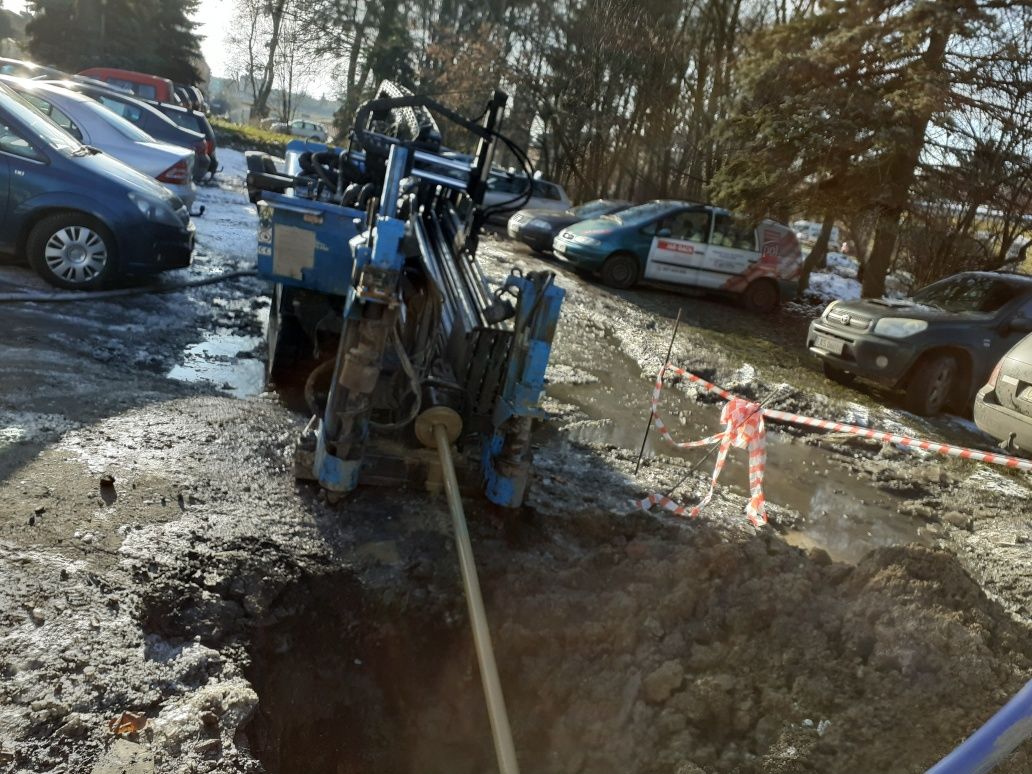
<point x="744" y="428"/>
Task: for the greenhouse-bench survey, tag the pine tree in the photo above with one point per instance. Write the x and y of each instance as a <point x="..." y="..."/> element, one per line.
<point x="153" y="36"/>
<point x="836" y="107"/>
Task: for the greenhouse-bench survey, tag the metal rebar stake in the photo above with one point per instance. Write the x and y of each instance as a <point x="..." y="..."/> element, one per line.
<point x="496" y="713"/>
<point x="652" y="414"/>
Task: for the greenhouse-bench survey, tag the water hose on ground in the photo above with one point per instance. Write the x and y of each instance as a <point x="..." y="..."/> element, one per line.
<point x="994" y="741"/>
<point x="439" y="426"/>
<point x="99" y="295"/>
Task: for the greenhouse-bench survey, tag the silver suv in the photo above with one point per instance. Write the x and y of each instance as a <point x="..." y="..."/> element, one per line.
<point x="1003" y="408"/>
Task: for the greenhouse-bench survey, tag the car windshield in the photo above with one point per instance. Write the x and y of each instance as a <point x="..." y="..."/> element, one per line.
<point x="117" y="123"/>
<point x="967" y="293"/>
<point x="46" y="130"/>
<point x="590" y="209"/>
<point x="642" y="212"/>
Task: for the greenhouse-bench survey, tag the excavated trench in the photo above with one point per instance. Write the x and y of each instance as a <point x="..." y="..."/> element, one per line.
<point x="353" y="681"/>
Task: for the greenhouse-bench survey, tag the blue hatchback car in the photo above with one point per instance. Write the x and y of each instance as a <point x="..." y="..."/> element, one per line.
<point x="81" y="218"/>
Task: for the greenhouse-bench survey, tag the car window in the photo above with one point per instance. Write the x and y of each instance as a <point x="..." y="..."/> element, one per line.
<point x="49" y="133"/>
<point x="732" y="231"/>
<point x="690" y="225"/>
<point x="54" y="113"/>
<point x="118" y="123"/>
<point x="186" y="120"/>
<point x="145" y="90"/>
<point x="12" y="142"/>
<point x="545" y="190"/>
<point x="1025" y="310"/>
<point x="967" y="293"/>
<point x="507" y="184"/>
<point x="128" y="112"/>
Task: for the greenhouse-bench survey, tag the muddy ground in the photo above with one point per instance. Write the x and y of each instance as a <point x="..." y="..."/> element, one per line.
<point x="247" y="625"/>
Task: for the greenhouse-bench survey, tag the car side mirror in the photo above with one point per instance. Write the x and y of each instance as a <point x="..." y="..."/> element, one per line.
<point x="1019" y="325"/>
<point x="663" y="232"/>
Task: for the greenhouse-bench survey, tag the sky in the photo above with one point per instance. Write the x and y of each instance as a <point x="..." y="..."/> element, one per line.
<point x="213" y="17"/>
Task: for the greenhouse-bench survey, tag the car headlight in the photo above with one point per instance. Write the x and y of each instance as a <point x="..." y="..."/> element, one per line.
<point x="588" y="241"/>
<point x="899" y="327"/>
<point x="155" y="210"/>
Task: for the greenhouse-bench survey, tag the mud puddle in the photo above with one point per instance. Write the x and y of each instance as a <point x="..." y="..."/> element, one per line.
<point x="228" y="360"/>
<point x="842" y="514"/>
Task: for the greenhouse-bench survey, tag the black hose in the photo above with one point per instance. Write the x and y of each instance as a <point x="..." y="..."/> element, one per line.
<point x="313" y="377"/>
<point x="83" y="295"/>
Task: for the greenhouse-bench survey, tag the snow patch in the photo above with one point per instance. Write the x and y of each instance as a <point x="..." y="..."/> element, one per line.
<point x="831" y="287"/>
<point x="987" y="479"/>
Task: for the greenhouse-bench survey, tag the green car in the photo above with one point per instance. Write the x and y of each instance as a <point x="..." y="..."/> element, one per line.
<point x="681" y="243"/>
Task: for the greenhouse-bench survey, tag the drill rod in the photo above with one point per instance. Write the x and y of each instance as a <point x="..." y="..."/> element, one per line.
<point x="500" y="730"/>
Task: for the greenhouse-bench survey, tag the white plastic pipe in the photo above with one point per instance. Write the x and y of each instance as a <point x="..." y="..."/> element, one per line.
<point x="500" y="730"/>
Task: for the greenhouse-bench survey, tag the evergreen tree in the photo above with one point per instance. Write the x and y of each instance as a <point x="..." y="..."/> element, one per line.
<point x="154" y="36"/>
<point x="836" y="108"/>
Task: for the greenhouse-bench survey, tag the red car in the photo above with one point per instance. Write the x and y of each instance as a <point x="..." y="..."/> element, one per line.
<point x="144" y="86"/>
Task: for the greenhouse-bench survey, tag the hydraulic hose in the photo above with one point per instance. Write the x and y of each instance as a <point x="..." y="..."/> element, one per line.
<point x="994" y="741"/>
<point x="98" y="295"/>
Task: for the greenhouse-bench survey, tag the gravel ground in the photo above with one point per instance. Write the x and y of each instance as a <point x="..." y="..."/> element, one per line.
<point x="160" y="560"/>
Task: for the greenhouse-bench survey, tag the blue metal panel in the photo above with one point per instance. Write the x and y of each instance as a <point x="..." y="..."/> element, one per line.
<point x="536" y="320"/>
<point x="335" y="474"/>
<point x="304" y="243"/>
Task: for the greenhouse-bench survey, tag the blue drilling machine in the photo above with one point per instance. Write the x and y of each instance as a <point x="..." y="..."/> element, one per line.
<point x="382" y="310"/>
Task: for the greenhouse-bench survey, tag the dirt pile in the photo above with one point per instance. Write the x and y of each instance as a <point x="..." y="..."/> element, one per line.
<point x="641" y="647"/>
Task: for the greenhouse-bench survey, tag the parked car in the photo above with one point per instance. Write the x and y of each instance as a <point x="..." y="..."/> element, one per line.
<point x="938" y="346"/>
<point x="79" y="216"/>
<point x="682" y="243"/>
<point x="1003" y="408"/>
<point x="23" y="69"/>
<point x="196" y="122"/>
<point x="143" y="85"/>
<point x="309" y="129"/>
<point x="505" y="187"/>
<point x="147" y="118"/>
<point x="538" y="228"/>
<point x="192" y="97"/>
<point x="97" y="126"/>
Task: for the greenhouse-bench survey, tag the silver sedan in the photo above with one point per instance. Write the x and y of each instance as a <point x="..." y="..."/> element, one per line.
<point x="100" y="128"/>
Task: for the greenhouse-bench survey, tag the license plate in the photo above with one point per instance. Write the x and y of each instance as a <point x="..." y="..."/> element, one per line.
<point x="834" y="346"/>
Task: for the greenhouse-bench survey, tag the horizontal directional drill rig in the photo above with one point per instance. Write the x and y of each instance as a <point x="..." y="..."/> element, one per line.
<point x="371" y="250"/>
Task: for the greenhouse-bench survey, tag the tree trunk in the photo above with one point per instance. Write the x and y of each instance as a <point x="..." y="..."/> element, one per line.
<point x="818" y="257"/>
<point x="259" y="109"/>
<point x="901" y="171"/>
<point x="876" y="267"/>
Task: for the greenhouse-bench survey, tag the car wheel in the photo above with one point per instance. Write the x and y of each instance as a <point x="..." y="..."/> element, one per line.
<point x="761" y="296"/>
<point x="931" y="384"/>
<point x="621" y="270"/>
<point x="72" y="250"/>
<point x="837" y="374"/>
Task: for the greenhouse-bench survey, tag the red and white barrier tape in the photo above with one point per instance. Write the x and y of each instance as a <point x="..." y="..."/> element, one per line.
<point x="744" y="428"/>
